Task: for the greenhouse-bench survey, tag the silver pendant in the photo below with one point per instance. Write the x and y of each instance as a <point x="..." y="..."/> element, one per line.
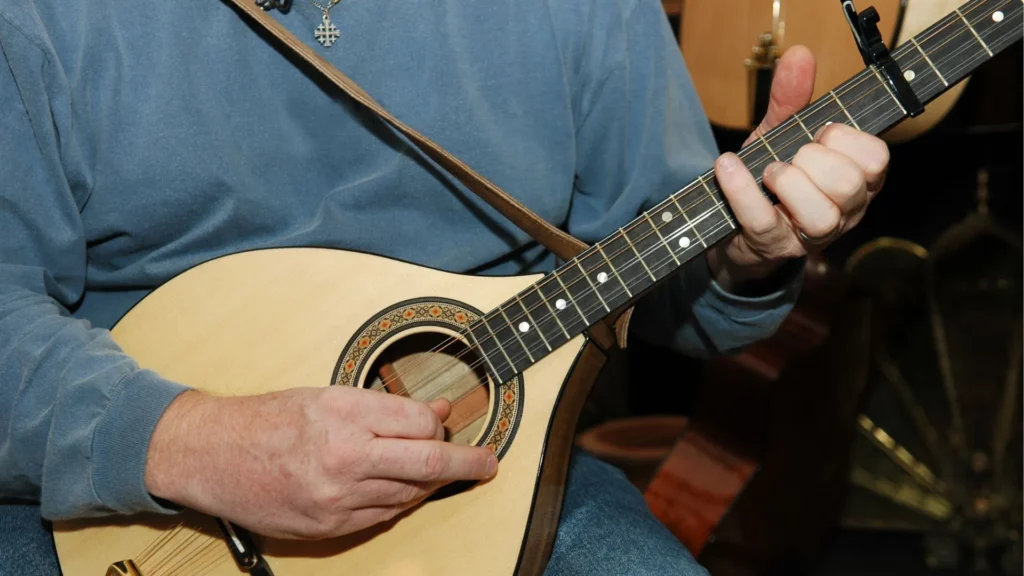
<point x="326" y="33"/>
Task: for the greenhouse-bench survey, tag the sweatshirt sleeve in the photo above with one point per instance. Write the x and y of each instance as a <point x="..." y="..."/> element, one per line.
<point x="642" y="134"/>
<point x="76" y="413"/>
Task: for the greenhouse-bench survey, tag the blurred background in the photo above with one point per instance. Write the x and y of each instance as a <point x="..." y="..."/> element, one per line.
<point x="879" y="431"/>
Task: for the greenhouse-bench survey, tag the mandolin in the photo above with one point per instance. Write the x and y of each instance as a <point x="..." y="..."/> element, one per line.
<point x="732" y="65"/>
<point x="516" y="355"/>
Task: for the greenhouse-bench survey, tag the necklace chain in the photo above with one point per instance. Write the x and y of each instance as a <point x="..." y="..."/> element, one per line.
<point x="323" y="9"/>
<point x="326" y="33"/>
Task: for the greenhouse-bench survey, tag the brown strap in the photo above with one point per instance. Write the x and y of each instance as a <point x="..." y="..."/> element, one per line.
<point x="613" y="330"/>
<point x="560" y="243"/>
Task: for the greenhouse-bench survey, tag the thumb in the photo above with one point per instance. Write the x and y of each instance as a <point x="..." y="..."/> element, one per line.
<point x="792" y="86"/>
<point x="442" y="407"/>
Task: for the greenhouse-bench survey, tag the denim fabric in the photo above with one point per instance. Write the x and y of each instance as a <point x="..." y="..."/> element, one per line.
<point x="606" y="529"/>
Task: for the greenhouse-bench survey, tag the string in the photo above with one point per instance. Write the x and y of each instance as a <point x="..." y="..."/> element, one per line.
<point x="872" y="125"/>
<point x="196" y="548"/>
<point x="822" y="104"/>
<point x="171" y="555"/>
<point x="757" y="146"/>
<point x="697" y="190"/>
<point x="148" y="551"/>
<point x="519" y="357"/>
<point x="692" y="226"/>
<point x="202" y="554"/>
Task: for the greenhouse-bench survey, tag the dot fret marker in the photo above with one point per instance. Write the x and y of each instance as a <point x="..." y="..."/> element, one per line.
<point x="602" y="277"/>
<point x="684" y="242"/>
<point x="560" y="304"/>
<point x="666" y="216"/>
<point x="524" y="327"/>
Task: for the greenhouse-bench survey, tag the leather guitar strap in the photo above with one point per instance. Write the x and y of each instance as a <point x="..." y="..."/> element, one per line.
<point x="559" y="242"/>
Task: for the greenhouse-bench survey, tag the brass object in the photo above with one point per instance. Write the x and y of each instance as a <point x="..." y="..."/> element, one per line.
<point x="938" y="449"/>
<point x="764" y="56"/>
<point x="123" y="568"/>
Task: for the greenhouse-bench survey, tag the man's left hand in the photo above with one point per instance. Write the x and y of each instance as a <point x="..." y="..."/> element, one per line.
<point x="823" y="192"/>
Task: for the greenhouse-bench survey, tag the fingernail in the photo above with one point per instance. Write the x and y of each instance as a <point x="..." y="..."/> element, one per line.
<point x="492" y="465"/>
<point x="820" y="131"/>
<point x="769" y="169"/>
<point x="728" y="162"/>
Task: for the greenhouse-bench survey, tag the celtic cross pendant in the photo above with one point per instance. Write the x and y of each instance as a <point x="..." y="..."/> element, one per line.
<point x="326" y="33"/>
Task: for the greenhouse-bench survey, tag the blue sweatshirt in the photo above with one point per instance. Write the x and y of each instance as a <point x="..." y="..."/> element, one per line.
<point x="138" y="139"/>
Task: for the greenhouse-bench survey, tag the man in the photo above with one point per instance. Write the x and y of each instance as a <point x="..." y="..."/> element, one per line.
<point x="142" y="138"/>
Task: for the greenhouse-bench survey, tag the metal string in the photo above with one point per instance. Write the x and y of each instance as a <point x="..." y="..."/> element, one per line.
<point x="783" y="129"/>
<point x="202" y="555"/>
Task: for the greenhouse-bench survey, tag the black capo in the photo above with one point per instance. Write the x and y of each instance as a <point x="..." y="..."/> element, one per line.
<point x="872" y="49"/>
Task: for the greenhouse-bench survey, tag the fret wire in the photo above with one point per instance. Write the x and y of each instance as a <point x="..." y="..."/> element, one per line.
<point x="973" y="31"/>
<point x="715" y="203"/>
<point x="985" y="25"/>
<point x="498" y="344"/>
<point x="674" y="200"/>
<point x="836" y="98"/>
<point x="516" y="333"/>
<point x="658" y="232"/>
<point x="568" y="296"/>
<point x="968" y="62"/>
<point x="1005" y="36"/>
<point x="483" y="352"/>
<point x="806" y="131"/>
<point x="944" y="35"/>
<point x="708" y="193"/>
<point x="534" y="323"/>
<point x="721" y="207"/>
<point x="717" y="228"/>
<point x="887" y="88"/>
<point x="678" y="207"/>
<point x="787" y="140"/>
<point x="592" y="287"/>
<point x="646" y="243"/>
<point x="766" y="145"/>
<point x="544" y="299"/>
<point x="612" y="267"/>
<point x="929" y="61"/>
<point x="818" y="106"/>
<point x="803" y="126"/>
<point x="694" y="228"/>
<point x="638" y="256"/>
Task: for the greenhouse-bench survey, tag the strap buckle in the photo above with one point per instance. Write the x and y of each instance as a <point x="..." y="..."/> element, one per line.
<point x="874" y="52"/>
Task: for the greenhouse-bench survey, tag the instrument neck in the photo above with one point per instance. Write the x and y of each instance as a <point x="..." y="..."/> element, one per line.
<point x="613" y="273"/>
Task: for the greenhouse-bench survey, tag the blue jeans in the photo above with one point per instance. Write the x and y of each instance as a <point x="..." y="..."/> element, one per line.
<point x="606" y="529"/>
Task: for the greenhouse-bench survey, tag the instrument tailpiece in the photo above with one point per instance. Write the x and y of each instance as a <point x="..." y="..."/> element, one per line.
<point x="244" y="551"/>
<point x="123" y="568"/>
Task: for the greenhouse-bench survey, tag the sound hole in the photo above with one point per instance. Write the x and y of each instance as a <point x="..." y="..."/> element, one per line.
<point x="429" y="365"/>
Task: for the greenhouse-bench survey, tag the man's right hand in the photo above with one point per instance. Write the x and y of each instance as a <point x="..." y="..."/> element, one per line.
<point x="306" y="462"/>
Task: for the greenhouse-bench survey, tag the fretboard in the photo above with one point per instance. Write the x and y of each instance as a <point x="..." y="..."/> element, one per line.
<point x="613" y="272"/>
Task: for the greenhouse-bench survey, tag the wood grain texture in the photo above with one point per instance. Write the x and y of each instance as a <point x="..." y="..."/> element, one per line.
<point x="267" y="320"/>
